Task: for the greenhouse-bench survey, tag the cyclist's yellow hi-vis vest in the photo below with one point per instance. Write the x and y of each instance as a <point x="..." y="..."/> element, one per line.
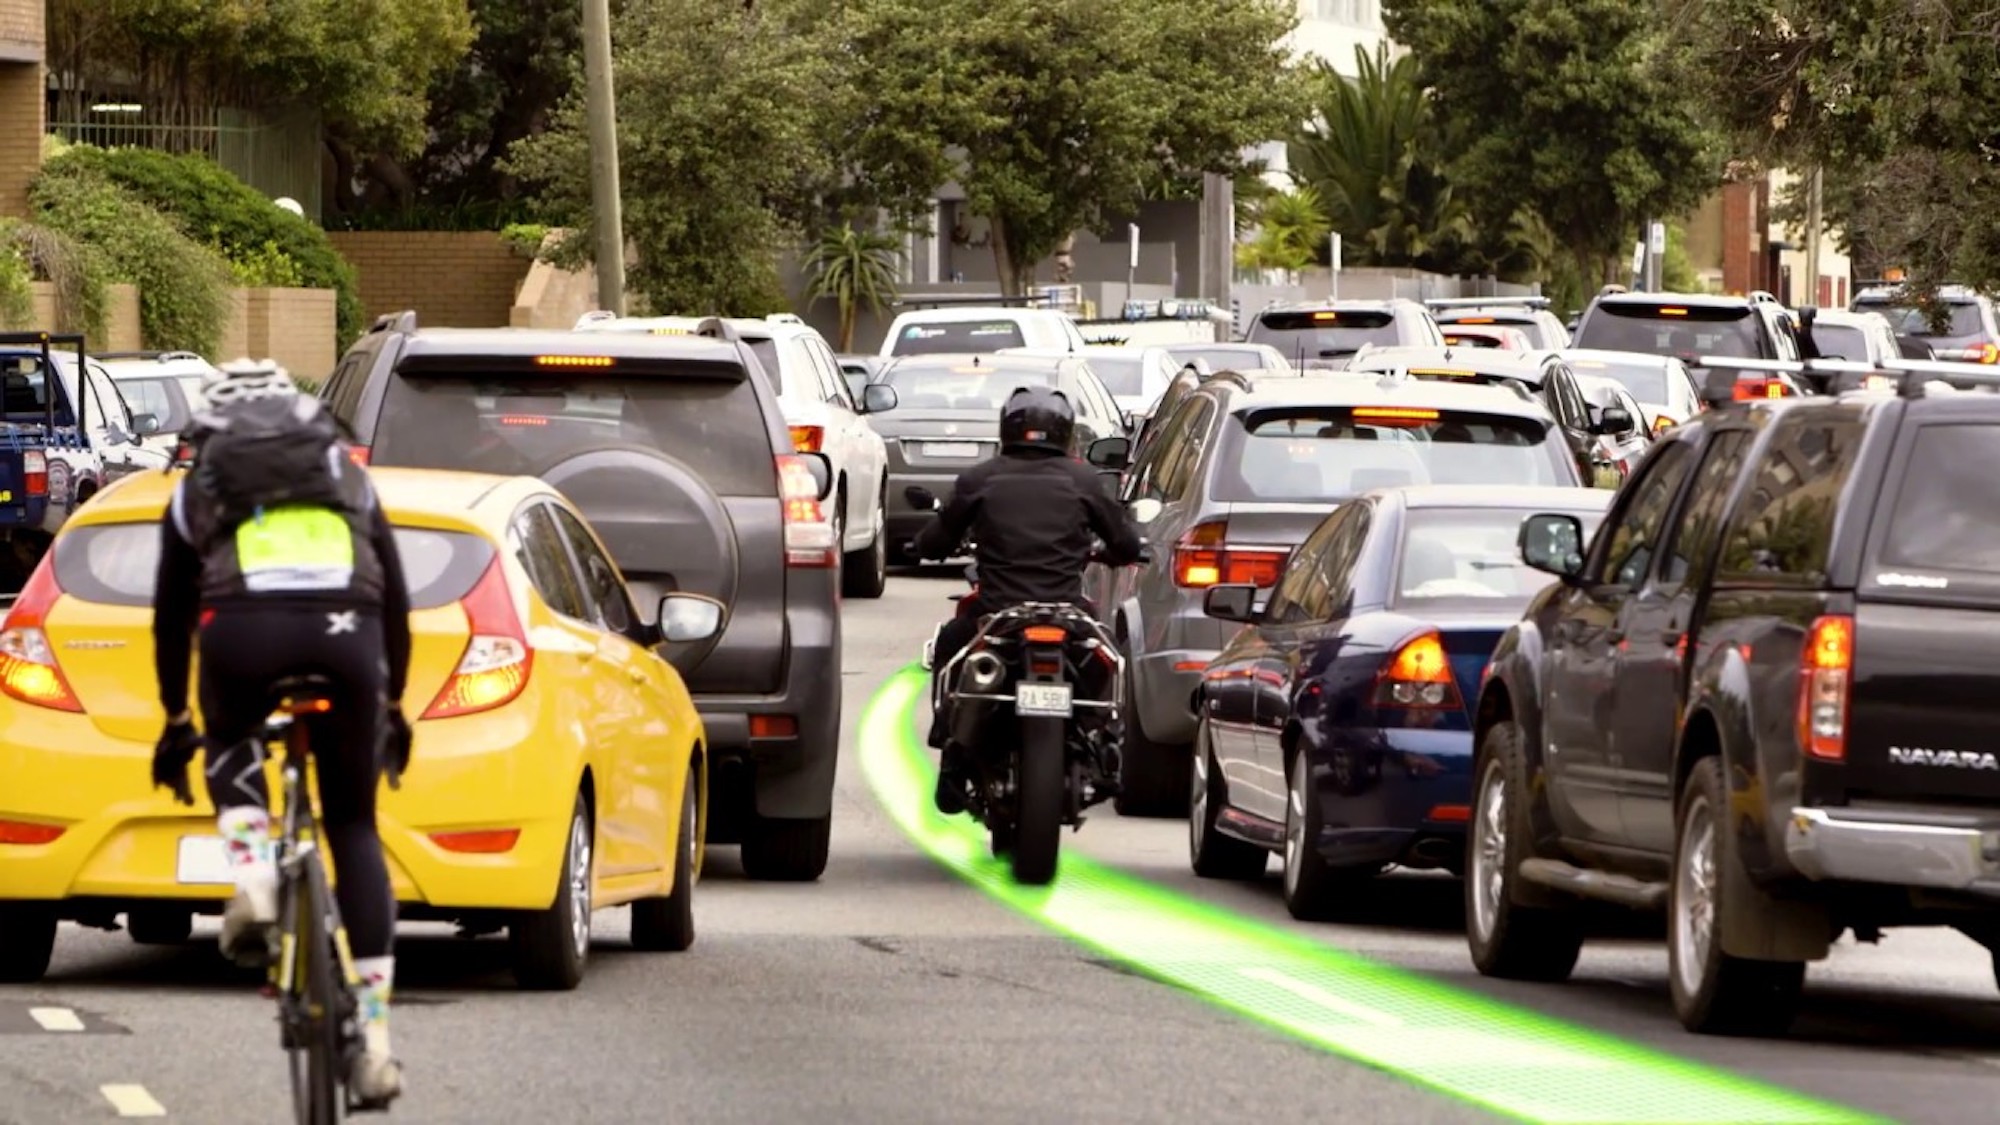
<point x="295" y="549"/>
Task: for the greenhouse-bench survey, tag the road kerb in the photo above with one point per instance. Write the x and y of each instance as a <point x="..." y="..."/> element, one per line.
<point x="1513" y="1061"/>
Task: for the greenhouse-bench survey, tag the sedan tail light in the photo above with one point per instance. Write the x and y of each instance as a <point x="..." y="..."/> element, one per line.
<point x="1204" y="557"/>
<point x="494" y="669"/>
<point x="28" y="668"/>
<point x="1752" y="387"/>
<point x="1418" y="677"/>
<point x="1826" y="669"/>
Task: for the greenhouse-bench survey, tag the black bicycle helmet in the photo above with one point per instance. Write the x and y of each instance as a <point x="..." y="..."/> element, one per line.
<point x="1037" y="417"/>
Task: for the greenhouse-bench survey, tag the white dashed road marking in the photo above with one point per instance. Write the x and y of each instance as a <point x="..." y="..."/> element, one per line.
<point x="56" y="1019"/>
<point x="132" y="1101"/>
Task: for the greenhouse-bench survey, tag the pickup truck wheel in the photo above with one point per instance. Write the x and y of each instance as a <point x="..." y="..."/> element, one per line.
<point x="865" y="573"/>
<point x="787" y="851"/>
<point x="1508" y="939"/>
<point x="1714" y="993"/>
<point x="27" y="940"/>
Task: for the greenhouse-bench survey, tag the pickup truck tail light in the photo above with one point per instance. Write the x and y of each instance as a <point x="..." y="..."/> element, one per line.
<point x="35" y="468"/>
<point x="28" y="668"/>
<point x="494" y="668"/>
<point x="1826" y="672"/>
<point x="1418" y="677"/>
<point x="1205" y="558"/>
<point x="808" y="533"/>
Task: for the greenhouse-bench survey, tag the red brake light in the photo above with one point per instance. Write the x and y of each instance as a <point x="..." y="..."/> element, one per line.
<point x="1418" y="677"/>
<point x="358" y="454"/>
<point x="1826" y="668"/>
<point x="28" y="832"/>
<point x="494" y="669"/>
<point x="1204" y="558"/>
<point x="807" y="439"/>
<point x="1045" y="634"/>
<point x="35" y="467"/>
<point x="1752" y="387"/>
<point x="808" y="533"/>
<point x="28" y="668"/>
<point x="1989" y="353"/>
<point x="491" y="842"/>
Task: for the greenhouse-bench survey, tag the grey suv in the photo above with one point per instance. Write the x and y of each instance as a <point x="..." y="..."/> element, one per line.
<point x="1689" y="326"/>
<point x="676" y="451"/>
<point x="1326" y="334"/>
<point x="1244" y="469"/>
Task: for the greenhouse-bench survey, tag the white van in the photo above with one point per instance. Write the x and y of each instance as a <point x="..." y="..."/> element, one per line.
<point x="980" y="329"/>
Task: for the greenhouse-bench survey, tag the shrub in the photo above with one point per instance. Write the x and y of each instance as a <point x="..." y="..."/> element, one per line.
<point x="267" y="267"/>
<point x="54" y="257"/>
<point x="525" y="238"/>
<point x="17" y="301"/>
<point x="183" y="285"/>
<point x="233" y="216"/>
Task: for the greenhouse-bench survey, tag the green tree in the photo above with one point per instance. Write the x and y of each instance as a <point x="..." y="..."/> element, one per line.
<point x="1565" y="109"/>
<point x="1052" y="114"/>
<point x="721" y="150"/>
<point x="854" y="268"/>
<point x="1291" y="230"/>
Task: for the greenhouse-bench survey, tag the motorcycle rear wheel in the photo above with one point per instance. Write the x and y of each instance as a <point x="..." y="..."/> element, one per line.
<point x="1039" y="802"/>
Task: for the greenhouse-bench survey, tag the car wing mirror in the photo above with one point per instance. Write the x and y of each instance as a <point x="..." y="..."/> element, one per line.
<point x="689" y="617"/>
<point x="1109" y="453"/>
<point x="1553" y="543"/>
<point x="877" y="398"/>
<point x="1232" y="602"/>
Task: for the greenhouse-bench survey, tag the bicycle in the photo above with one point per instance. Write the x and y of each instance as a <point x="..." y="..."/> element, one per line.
<point x="313" y="972"/>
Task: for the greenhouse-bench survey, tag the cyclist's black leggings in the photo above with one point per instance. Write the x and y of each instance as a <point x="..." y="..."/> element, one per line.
<point x="243" y="653"/>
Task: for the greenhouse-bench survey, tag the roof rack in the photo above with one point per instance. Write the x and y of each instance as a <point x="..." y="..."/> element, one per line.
<point x="399" y="322"/>
<point x="717" y="328"/>
<point x="1532" y="302"/>
<point x="1609" y="290"/>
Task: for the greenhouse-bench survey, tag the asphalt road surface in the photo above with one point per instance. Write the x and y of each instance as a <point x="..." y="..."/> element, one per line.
<point x="892" y="992"/>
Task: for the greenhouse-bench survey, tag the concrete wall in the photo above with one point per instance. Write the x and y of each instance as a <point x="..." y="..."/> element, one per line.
<point x="121" y="316"/>
<point x="22" y="94"/>
<point x="457" y="279"/>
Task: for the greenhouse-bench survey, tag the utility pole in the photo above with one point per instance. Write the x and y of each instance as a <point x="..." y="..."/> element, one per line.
<point x="1813" y="221"/>
<point x="607" y="211"/>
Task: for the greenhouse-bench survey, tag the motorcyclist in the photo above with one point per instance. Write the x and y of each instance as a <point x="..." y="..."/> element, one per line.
<point x="299" y="587"/>
<point x="1033" y="513"/>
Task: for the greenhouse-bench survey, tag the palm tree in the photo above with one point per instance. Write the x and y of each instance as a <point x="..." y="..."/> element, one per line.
<point x="855" y="268"/>
<point x="1291" y="228"/>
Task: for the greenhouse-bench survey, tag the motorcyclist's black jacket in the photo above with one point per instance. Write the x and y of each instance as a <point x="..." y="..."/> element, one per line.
<point x="1032" y="515"/>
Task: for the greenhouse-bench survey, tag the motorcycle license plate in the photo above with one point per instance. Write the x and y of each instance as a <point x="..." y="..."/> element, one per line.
<point x="951" y="449"/>
<point x="1042" y="699"/>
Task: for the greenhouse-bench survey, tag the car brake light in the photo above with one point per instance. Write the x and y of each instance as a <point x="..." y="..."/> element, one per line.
<point x="358" y="454"/>
<point x="35" y="468"/>
<point x="807" y="439"/>
<point x="1825" y="670"/>
<point x="1204" y="558"/>
<point x="1752" y="387"/>
<point x="490" y="842"/>
<point x="28" y="668"/>
<point x="1989" y="353"/>
<point x="808" y="533"/>
<point x="494" y="669"/>
<point x="1418" y="677"/>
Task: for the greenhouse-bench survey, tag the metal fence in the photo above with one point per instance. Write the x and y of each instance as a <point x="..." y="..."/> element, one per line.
<point x="277" y="156"/>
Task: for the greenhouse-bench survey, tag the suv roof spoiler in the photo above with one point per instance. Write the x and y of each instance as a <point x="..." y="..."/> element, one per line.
<point x="1532" y="302"/>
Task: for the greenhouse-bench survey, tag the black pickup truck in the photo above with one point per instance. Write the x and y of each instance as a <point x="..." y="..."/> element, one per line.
<point x="1764" y="697"/>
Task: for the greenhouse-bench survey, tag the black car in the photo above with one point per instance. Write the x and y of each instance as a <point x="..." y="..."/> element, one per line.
<point x="675" y="449"/>
<point x="1759" y="700"/>
<point x="1326" y="334"/>
<point x="1689" y="326"/>
<point x="947" y="419"/>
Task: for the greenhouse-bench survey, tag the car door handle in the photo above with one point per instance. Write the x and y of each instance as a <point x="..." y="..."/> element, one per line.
<point x="638" y="677"/>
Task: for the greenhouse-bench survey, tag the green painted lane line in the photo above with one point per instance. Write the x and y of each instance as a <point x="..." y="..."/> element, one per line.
<point x="1510" y="1060"/>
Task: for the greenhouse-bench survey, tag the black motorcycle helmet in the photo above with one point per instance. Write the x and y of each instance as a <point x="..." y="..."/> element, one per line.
<point x="1037" y="417"/>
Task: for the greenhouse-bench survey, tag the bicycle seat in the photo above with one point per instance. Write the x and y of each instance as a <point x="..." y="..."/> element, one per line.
<point x="306" y="694"/>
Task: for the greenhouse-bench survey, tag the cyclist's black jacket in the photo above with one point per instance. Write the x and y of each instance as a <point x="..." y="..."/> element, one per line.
<point x="191" y="581"/>
<point x="1032" y="515"/>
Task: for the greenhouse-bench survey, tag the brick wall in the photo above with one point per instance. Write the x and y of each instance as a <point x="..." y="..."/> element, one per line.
<point x="121" y="316"/>
<point x="22" y="90"/>
<point x="293" y="326"/>
<point x="456" y="279"/>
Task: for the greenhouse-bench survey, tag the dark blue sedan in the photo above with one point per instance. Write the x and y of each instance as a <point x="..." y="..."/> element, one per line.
<point x="1333" y="728"/>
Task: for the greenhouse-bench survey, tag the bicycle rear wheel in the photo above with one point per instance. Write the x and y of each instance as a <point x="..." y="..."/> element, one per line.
<point x="321" y="1001"/>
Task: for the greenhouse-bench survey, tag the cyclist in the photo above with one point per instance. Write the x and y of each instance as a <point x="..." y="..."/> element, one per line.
<point x="305" y="581"/>
<point x="1032" y="512"/>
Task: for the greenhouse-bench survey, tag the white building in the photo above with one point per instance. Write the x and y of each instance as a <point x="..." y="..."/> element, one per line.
<point x="1329" y="30"/>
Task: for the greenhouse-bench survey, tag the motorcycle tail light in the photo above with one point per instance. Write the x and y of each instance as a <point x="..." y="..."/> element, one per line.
<point x="1045" y="634"/>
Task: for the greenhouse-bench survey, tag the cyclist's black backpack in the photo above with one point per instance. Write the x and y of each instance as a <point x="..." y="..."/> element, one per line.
<point x="261" y="453"/>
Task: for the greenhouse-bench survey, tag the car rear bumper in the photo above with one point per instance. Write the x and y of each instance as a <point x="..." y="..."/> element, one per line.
<point x="1900" y="848"/>
<point x="1381" y="792"/>
<point x="788" y="776"/>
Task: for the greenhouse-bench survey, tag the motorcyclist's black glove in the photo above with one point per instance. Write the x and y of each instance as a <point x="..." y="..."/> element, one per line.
<point x="396" y="744"/>
<point x="172" y="754"/>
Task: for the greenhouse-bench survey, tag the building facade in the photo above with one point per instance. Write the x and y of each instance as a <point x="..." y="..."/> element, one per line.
<point x="22" y="39"/>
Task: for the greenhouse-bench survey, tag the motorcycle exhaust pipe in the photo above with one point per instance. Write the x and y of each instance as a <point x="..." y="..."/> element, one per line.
<point x="981" y="672"/>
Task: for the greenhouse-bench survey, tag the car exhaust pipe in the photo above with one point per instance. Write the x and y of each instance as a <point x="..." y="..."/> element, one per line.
<point x="1435" y="851"/>
<point x="982" y="672"/>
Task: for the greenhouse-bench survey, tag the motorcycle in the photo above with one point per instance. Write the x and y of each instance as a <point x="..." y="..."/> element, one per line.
<point x="1034" y="697"/>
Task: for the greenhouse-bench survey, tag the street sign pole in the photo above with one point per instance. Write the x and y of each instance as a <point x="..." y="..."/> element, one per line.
<point x="1333" y="259"/>
<point x="1132" y="261"/>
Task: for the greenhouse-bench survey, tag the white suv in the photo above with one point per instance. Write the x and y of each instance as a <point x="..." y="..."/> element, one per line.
<point x="824" y="418"/>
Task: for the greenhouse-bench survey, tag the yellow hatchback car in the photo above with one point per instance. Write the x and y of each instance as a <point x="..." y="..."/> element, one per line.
<point x="557" y="766"/>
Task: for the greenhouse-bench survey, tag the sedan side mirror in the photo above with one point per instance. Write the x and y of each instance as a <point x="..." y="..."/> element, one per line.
<point x="1109" y="453"/>
<point x="1614" y="420"/>
<point x="878" y="397"/>
<point x="921" y="499"/>
<point x="1551" y="543"/>
<point x="689" y="617"/>
<point x="1236" y="603"/>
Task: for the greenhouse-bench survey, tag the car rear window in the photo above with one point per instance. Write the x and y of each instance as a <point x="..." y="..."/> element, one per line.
<point x="1120" y="376"/>
<point x="1686" y="331"/>
<point x="1326" y="334"/>
<point x="521" y="426"/>
<point x="116" y="563"/>
<point x="943" y="337"/>
<point x="1300" y="455"/>
<point x="1946" y="514"/>
<point x="1906" y="320"/>
<point x="965" y="386"/>
<point x="766" y="351"/>
<point x="1470" y="554"/>
<point x="1647" y="382"/>
<point x="1840" y="340"/>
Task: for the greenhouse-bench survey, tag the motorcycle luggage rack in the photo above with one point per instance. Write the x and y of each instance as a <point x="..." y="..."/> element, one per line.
<point x="1041" y="611"/>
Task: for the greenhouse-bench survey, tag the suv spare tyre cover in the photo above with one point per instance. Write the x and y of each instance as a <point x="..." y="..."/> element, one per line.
<point x="666" y="529"/>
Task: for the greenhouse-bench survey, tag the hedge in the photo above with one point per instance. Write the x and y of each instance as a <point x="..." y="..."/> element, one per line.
<point x="258" y="238"/>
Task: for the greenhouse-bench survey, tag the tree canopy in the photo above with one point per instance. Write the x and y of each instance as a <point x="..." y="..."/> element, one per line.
<point x="1562" y="109"/>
